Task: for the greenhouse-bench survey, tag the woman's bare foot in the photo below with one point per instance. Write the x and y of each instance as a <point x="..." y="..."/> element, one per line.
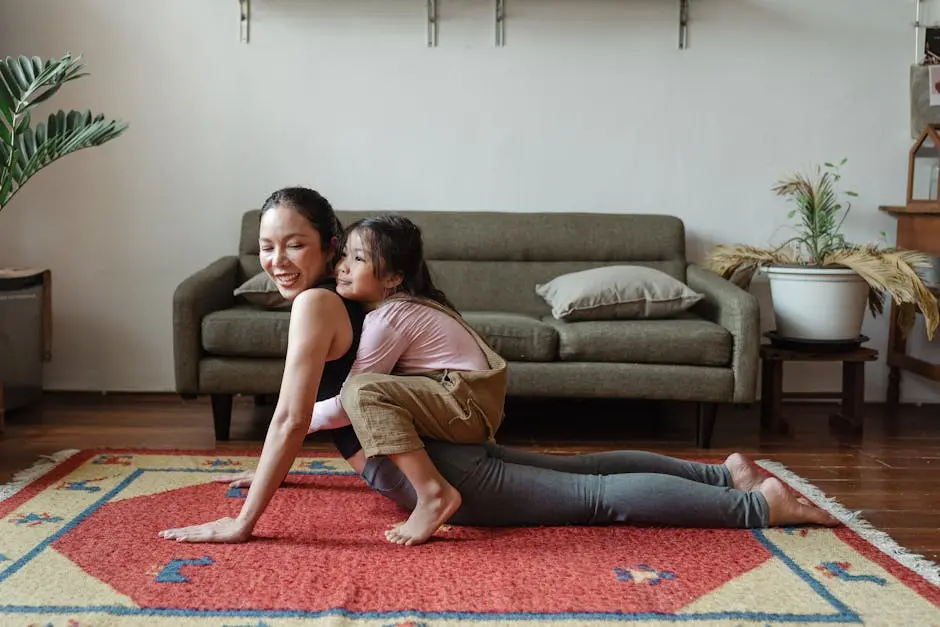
<point x="237" y="479"/>
<point x="787" y="509"/>
<point x="745" y="474"/>
<point x="427" y="516"/>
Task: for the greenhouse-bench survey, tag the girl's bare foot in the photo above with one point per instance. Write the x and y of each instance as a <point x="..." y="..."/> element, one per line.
<point x="745" y="474"/>
<point x="427" y="516"/>
<point x="786" y="509"/>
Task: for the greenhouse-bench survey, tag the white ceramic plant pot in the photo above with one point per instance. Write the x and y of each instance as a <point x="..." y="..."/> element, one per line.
<point x="817" y="303"/>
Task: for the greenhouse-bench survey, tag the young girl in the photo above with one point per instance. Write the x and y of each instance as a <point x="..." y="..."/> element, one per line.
<point x="448" y="384"/>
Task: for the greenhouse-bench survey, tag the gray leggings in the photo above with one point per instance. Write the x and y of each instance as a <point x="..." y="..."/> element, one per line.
<point x="502" y="486"/>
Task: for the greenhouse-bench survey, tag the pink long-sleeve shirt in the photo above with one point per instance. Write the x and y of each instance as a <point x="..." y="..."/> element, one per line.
<point x="409" y="338"/>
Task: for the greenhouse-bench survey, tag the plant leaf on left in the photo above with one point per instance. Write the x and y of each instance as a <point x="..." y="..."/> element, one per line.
<point x="26" y="82"/>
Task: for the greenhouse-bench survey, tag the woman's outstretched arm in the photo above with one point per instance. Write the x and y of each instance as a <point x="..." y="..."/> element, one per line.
<point x="319" y="331"/>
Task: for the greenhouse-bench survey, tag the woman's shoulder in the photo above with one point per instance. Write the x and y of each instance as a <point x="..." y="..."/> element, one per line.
<point x="319" y="300"/>
<point x="328" y="286"/>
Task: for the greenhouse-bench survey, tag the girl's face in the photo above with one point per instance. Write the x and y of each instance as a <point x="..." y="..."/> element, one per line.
<point x="355" y="274"/>
<point x="291" y="251"/>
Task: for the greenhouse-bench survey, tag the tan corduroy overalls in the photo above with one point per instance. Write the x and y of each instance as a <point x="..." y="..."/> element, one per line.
<point x="389" y="411"/>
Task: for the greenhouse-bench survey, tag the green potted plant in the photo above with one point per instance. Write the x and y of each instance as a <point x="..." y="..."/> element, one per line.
<point x="819" y="282"/>
<point x="25" y="149"/>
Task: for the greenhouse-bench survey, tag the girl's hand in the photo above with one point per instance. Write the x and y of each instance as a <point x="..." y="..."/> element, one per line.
<point x="224" y="530"/>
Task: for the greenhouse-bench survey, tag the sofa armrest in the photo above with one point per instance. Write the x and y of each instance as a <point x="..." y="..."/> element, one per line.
<point x="737" y="311"/>
<point x="207" y="290"/>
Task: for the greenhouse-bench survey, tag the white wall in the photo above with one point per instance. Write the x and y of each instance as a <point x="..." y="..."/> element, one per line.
<point x="589" y="106"/>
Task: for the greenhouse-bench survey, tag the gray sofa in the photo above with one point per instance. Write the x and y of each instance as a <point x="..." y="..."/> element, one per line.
<point x="488" y="264"/>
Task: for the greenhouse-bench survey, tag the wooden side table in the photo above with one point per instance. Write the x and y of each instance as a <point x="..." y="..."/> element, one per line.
<point x="852" y="393"/>
<point x="918" y="229"/>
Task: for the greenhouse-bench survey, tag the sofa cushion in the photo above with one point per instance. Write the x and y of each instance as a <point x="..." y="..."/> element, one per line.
<point x="685" y="339"/>
<point x="620" y="292"/>
<point x="246" y="331"/>
<point x="515" y="337"/>
<point x="260" y="290"/>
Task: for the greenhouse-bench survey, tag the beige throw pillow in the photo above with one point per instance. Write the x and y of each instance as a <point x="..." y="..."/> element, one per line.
<point x="616" y="293"/>
<point x="260" y="290"/>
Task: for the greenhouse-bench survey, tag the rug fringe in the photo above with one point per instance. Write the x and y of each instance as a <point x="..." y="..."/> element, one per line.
<point x="37" y="470"/>
<point x="854" y="521"/>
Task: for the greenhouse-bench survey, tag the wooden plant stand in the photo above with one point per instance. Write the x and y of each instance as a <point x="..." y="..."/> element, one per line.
<point x="849" y="418"/>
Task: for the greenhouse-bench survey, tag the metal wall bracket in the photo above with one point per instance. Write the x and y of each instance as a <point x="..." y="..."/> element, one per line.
<point x="683" y="24"/>
<point x="918" y="27"/>
<point x="500" y="23"/>
<point x="432" y="23"/>
<point x="244" y="20"/>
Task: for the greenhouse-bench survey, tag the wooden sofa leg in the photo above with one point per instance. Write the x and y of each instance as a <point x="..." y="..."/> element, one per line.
<point x="707" y="414"/>
<point x="222" y="415"/>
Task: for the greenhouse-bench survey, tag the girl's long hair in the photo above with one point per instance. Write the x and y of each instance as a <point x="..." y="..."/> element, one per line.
<point x="396" y="247"/>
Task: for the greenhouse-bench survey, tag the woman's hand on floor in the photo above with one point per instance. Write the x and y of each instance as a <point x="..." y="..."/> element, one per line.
<point x="236" y="479"/>
<point x="224" y="530"/>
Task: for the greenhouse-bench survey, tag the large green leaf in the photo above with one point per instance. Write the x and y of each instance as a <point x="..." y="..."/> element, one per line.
<point x="6" y="103"/>
<point x="62" y="134"/>
<point x="29" y="82"/>
<point x="24" y="83"/>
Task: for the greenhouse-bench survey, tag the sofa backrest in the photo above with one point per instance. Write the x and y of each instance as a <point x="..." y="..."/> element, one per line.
<point x="491" y="261"/>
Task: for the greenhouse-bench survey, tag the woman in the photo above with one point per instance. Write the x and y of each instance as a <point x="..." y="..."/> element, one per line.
<point x="298" y="238"/>
<point x="499" y="486"/>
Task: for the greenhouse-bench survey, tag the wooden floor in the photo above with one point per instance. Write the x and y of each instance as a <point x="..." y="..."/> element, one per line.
<point x="891" y="473"/>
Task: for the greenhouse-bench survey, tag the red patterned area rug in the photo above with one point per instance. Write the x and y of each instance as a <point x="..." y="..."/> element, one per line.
<point x="79" y="547"/>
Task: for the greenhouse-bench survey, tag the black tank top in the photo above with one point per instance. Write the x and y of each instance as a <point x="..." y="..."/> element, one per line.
<point x="336" y="371"/>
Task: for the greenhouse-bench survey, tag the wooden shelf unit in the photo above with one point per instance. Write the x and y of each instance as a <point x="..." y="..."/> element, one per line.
<point x="918" y="229"/>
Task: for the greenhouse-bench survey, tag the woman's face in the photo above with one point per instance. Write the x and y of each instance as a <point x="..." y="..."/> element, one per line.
<point x="291" y="251"/>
